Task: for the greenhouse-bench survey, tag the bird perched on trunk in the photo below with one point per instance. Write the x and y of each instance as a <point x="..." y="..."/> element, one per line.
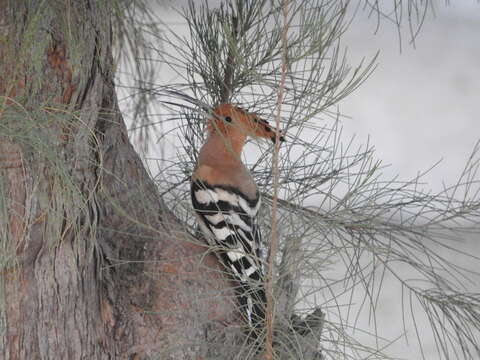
<point x="226" y="202"/>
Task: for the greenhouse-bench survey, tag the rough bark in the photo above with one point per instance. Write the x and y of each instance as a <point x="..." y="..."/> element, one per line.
<point x="93" y="265"/>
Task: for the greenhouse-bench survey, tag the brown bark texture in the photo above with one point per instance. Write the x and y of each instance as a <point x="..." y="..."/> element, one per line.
<point x="92" y="264"/>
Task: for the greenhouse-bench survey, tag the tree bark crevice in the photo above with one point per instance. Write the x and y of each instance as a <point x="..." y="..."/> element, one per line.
<point x="95" y="265"/>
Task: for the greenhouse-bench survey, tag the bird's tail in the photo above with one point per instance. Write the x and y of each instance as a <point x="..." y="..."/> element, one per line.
<point x="253" y="303"/>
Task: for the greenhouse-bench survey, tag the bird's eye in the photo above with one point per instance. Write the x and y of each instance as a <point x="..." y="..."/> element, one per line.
<point x="228" y="119"/>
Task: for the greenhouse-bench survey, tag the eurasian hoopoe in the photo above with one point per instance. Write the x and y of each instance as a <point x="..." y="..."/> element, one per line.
<point x="226" y="201"/>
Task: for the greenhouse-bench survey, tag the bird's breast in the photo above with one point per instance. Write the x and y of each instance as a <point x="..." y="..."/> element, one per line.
<point x="239" y="179"/>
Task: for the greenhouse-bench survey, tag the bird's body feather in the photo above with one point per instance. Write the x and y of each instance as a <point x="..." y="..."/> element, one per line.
<point x="228" y="220"/>
<point x="226" y="201"/>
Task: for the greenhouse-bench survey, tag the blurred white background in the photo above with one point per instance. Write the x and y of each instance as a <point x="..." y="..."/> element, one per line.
<point x="420" y="105"/>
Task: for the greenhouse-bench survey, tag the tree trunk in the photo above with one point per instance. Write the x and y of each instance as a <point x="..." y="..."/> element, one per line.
<point x="92" y="264"/>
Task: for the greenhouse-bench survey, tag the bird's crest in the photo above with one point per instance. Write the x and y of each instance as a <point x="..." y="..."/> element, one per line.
<point x="232" y="121"/>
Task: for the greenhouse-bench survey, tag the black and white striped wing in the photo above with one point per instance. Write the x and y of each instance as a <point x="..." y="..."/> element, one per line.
<point x="228" y="220"/>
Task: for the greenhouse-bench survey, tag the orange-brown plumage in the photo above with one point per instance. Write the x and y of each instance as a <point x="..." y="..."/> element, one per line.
<point x="241" y="124"/>
<point x="219" y="161"/>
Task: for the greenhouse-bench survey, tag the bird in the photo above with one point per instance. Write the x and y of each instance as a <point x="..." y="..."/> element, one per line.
<point x="226" y="201"/>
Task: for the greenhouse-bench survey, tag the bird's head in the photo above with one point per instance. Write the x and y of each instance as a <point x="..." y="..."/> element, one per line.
<point x="232" y="121"/>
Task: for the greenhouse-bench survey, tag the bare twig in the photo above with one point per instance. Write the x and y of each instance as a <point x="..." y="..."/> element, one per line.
<point x="274" y="236"/>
